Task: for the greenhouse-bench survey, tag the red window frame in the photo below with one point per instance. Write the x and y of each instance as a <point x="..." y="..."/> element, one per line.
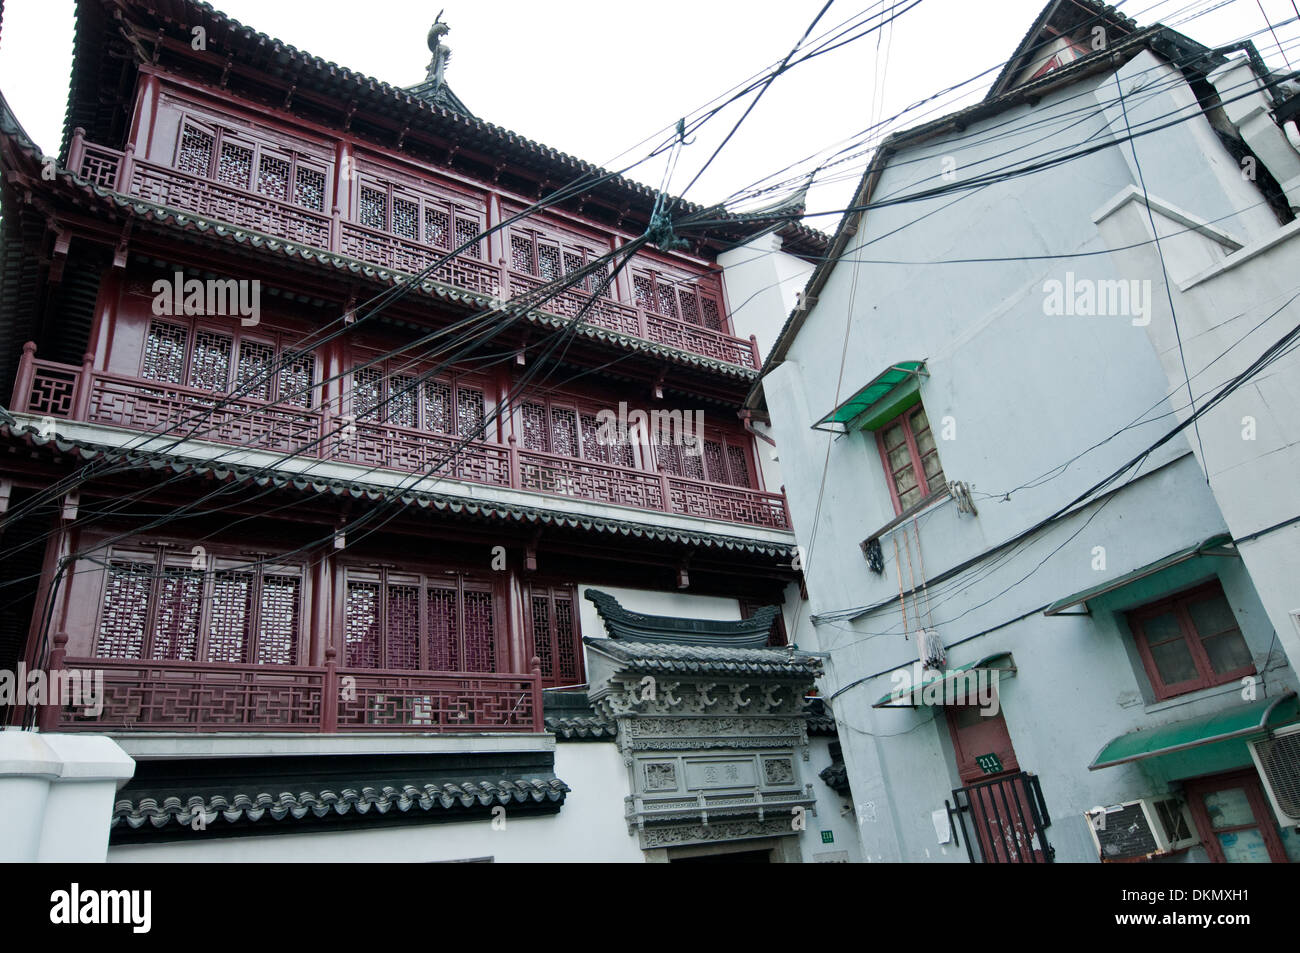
<point x="426" y="583"/>
<point x="258" y="146"/>
<point x="280" y="342"/>
<point x="686" y="292"/>
<point x="460" y="215"/>
<point x="566" y="249"/>
<point x="1177" y="604"/>
<point x="1264" y="820"/>
<point x="551" y="652"/>
<point x="385" y="410"/>
<point x="914" y="457"/>
<point x="163" y="561"/>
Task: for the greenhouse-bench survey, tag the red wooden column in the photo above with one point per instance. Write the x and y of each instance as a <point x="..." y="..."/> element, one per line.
<point x="26" y="376"/>
<point x="516" y="621"/>
<point x="344" y="172"/>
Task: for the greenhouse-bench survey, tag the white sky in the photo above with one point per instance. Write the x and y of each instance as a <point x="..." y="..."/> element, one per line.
<point x="595" y="77"/>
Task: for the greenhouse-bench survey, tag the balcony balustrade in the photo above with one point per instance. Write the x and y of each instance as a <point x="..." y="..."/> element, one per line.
<point x="66" y="392"/>
<point x="123" y="173"/>
<point x="170" y="696"/>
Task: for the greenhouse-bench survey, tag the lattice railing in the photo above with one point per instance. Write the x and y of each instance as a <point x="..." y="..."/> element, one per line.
<point x="100" y="165"/>
<point x="567" y="304"/>
<point x="210" y="697"/>
<point x="53" y="389"/>
<point x="733" y="504"/>
<point x="402" y="255"/>
<point x="186" y="413"/>
<point x="699" y="340"/>
<point x="62" y="391"/>
<point x="415" y="701"/>
<point x="199" y="696"/>
<point x="227" y="204"/>
<point x="566" y="476"/>
<point x="418" y="451"/>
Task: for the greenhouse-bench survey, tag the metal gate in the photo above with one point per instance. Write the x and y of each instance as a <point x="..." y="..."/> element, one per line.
<point x="1008" y="817"/>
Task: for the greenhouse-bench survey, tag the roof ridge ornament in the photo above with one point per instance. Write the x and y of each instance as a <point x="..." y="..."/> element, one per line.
<point x="441" y="53"/>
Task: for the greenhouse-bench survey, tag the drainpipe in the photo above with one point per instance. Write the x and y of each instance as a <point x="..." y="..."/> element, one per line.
<point x="1252" y="115"/>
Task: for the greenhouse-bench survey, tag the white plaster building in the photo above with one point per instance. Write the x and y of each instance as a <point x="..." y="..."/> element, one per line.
<point x="996" y="468"/>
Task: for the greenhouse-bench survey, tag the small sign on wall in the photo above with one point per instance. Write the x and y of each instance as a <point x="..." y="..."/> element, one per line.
<point x="989" y="763"/>
<point x="828" y="837"/>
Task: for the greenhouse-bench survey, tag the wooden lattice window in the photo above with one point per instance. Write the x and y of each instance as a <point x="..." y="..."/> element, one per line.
<point x="721" y="458"/>
<point x="241" y="160"/>
<point x="691" y="301"/>
<point x="551" y="257"/>
<point x="164" y="603"/>
<point x="420" y="217"/>
<point x="255" y="365"/>
<point x="397" y="393"/>
<point x="556" y="635"/>
<point x="413" y="621"/>
<point x="570" y="430"/>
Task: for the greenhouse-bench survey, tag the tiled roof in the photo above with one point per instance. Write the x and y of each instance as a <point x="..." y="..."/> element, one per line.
<point x="320" y="801"/>
<point x="275" y="57"/>
<point x="582" y="728"/>
<point x="706" y="659"/>
<point x="458" y="506"/>
<point x="820" y="721"/>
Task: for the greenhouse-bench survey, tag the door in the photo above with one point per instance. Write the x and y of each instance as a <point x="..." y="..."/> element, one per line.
<point x="1003" y="807"/>
<point x="1235" y="822"/>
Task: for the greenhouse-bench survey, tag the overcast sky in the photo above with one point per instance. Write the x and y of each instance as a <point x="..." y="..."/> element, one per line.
<point x="595" y="77"/>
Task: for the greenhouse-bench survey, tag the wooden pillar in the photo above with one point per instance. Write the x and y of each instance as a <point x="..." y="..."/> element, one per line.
<point x="517" y="622"/>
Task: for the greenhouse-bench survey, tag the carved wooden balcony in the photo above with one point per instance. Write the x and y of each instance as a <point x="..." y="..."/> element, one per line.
<point x="172" y="188"/>
<point x="170" y="696"/>
<point x="65" y="392"/>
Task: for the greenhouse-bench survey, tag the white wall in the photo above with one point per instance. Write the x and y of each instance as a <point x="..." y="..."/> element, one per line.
<point x="589" y="827"/>
<point x="1025" y="392"/>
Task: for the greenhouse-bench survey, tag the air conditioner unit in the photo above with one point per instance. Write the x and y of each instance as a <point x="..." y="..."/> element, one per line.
<point x="1278" y="761"/>
<point x="1140" y="829"/>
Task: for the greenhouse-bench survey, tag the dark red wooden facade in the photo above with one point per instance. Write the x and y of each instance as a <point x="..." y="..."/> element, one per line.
<point x="254" y="606"/>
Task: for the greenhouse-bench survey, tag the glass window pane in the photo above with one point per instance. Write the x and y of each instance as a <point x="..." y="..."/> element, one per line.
<point x="1162" y="628"/>
<point x="1244" y="847"/>
<point x="1227" y="652"/>
<point x="1174" y="662"/>
<point x="1211" y="616"/>
<point x="1229" y="808"/>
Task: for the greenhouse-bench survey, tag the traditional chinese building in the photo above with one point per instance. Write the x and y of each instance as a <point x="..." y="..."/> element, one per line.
<point x="304" y="459"/>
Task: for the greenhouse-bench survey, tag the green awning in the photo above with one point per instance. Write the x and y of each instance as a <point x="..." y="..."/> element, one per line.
<point x="895" y="383"/>
<point x="910" y="697"/>
<point x="1233" y="723"/>
<point x="1119" y="582"/>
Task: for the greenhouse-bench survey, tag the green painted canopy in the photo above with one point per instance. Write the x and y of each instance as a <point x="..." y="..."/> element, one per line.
<point x="908" y="697"/>
<point x="896" y="377"/>
<point x="1213" y="545"/>
<point x="1234" y="723"/>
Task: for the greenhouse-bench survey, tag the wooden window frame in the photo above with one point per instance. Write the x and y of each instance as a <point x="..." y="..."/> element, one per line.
<point x="425" y="579"/>
<point x="1177" y="604"/>
<point x="1265" y="820"/>
<point x="395" y="367"/>
<point x="280" y="342"/>
<point x="913" y="452"/>
<point x="160" y="557"/>
<point x="221" y="134"/>
<point x="455" y="211"/>
<point x="547" y="589"/>
<point x="579" y="408"/>
<point x="679" y="284"/>
<point x="536" y="238"/>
